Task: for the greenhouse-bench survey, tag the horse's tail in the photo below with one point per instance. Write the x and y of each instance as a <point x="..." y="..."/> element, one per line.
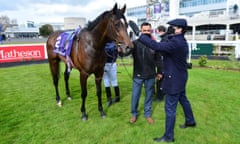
<point x="53" y="58"/>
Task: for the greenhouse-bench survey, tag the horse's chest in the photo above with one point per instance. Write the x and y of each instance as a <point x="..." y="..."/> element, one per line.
<point x="95" y="61"/>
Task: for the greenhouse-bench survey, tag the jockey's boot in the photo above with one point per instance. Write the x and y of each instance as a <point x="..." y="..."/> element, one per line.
<point x="109" y="97"/>
<point x="117" y="94"/>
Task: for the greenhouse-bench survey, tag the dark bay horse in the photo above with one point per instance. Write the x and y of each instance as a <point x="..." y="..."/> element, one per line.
<point x="88" y="54"/>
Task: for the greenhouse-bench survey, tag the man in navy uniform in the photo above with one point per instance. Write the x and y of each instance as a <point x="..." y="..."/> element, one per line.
<point x="110" y="73"/>
<point x="175" y="52"/>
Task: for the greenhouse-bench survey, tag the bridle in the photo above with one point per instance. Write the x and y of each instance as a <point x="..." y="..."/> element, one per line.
<point x="114" y="30"/>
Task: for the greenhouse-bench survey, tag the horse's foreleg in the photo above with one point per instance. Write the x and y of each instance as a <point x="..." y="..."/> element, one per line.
<point x="99" y="95"/>
<point x="66" y="78"/>
<point x="83" y="83"/>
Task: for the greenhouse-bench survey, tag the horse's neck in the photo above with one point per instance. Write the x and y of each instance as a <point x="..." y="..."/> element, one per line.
<point x="100" y="34"/>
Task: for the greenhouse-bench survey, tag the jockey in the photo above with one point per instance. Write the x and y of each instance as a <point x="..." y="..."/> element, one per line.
<point x="110" y="73"/>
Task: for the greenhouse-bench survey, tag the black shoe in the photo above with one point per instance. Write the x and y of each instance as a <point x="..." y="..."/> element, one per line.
<point x="163" y="139"/>
<point x="109" y="103"/>
<point x="187" y="125"/>
<point x="117" y="99"/>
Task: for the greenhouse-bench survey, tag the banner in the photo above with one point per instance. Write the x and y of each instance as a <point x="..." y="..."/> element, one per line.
<point x="149" y="12"/>
<point x="233" y="8"/>
<point x="151" y="2"/>
<point x="165" y="8"/>
<point x="18" y="53"/>
<point x="157" y="8"/>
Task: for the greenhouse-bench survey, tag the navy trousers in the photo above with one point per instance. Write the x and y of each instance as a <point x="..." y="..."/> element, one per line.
<point x="170" y="111"/>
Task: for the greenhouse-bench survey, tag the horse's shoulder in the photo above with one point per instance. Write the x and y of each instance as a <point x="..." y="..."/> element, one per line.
<point x="85" y="34"/>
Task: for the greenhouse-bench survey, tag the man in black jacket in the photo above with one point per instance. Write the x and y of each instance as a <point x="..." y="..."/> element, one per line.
<point x="144" y="72"/>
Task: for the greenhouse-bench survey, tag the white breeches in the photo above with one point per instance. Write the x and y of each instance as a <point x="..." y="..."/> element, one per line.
<point x="110" y="75"/>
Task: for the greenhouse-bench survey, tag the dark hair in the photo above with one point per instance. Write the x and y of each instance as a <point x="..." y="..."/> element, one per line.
<point x="170" y="30"/>
<point x="146" y="24"/>
<point x="184" y="29"/>
<point x="161" y="28"/>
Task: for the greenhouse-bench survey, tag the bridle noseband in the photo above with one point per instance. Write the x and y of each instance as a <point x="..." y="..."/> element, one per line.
<point x="113" y="30"/>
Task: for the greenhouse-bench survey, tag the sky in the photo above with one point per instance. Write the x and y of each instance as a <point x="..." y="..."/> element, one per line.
<point x="55" y="10"/>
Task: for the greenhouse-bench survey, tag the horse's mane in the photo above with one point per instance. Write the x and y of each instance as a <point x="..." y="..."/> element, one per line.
<point x="92" y="24"/>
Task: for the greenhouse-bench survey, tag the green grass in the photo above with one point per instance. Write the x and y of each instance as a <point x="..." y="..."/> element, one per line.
<point x="28" y="111"/>
<point x="220" y="64"/>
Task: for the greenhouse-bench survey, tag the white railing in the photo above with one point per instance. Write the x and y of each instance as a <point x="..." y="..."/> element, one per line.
<point x="236" y="44"/>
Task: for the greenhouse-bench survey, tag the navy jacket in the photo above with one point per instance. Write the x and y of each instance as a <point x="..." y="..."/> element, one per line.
<point x="175" y="52"/>
<point x="111" y="52"/>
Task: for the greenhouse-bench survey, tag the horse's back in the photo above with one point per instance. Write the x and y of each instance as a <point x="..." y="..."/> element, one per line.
<point x="51" y="43"/>
<point x="52" y="39"/>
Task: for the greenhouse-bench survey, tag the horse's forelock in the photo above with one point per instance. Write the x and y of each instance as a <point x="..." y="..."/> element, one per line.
<point x="121" y="16"/>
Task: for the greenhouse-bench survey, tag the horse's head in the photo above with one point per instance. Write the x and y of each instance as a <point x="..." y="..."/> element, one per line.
<point x="117" y="27"/>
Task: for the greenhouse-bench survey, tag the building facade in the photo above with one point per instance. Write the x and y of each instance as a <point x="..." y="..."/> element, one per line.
<point x="213" y="23"/>
<point x="214" y="19"/>
<point x="71" y="23"/>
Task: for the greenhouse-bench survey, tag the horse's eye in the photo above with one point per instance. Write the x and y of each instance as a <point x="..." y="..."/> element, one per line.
<point x="118" y="24"/>
<point x="126" y="25"/>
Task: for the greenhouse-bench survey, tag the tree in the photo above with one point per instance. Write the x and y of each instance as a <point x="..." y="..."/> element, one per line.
<point x="46" y="30"/>
<point x="6" y="22"/>
<point x="235" y="8"/>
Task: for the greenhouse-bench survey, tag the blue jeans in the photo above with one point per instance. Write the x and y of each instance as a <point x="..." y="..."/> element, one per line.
<point x="136" y="93"/>
<point x="170" y="111"/>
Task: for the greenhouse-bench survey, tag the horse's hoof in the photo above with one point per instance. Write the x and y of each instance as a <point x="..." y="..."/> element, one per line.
<point x="103" y="115"/>
<point x="69" y="98"/>
<point x="59" y="104"/>
<point x="84" y="118"/>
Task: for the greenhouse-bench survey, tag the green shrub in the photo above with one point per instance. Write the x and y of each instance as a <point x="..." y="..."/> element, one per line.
<point x="202" y="61"/>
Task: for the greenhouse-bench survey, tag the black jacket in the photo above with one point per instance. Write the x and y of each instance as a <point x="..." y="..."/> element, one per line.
<point x="144" y="61"/>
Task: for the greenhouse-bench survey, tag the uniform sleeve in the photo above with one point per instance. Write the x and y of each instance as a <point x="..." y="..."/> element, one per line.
<point x="166" y="47"/>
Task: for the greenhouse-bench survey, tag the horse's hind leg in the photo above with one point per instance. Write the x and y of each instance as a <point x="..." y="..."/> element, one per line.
<point x="66" y="78"/>
<point x="54" y="67"/>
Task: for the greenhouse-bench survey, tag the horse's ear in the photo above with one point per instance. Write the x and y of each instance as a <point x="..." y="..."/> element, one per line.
<point x="123" y="9"/>
<point x="114" y="7"/>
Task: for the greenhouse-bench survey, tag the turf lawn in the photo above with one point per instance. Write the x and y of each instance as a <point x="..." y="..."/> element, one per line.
<point x="29" y="115"/>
